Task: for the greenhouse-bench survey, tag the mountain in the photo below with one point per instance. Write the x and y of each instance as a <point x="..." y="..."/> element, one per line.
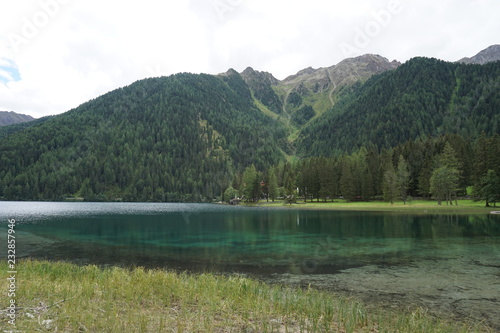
<point x="307" y="95"/>
<point x="189" y="137"/>
<point x="177" y="138"/>
<point x="261" y="84"/>
<point x="490" y="54"/>
<point x="10" y="118"/>
<point x="347" y="72"/>
<point x="7" y="130"/>
<point x="316" y="88"/>
<point x="421" y="98"/>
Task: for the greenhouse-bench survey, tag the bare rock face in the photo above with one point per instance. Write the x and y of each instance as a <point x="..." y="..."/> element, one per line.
<point x="251" y="75"/>
<point x="322" y="85"/>
<point x="490" y="54"/>
<point x="318" y="86"/>
<point x="346" y="72"/>
<point x="10" y="118"/>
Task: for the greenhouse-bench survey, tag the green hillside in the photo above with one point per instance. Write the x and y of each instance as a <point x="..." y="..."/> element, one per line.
<point x="191" y="137"/>
<point x="5" y="131"/>
<point x="422" y="98"/>
<point x="180" y="138"/>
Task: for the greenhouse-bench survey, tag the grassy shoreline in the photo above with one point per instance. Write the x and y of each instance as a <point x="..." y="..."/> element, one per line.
<point x="417" y="206"/>
<point x="63" y="297"/>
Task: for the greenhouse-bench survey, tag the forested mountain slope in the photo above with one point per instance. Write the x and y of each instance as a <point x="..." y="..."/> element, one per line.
<point x="7" y="130"/>
<point x="422" y="98"/>
<point x="177" y="138"/>
<point x="320" y="87"/>
<point x="189" y="137"/>
<point x="309" y="93"/>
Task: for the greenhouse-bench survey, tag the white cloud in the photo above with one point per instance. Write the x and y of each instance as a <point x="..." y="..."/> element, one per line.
<point x="70" y="51"/>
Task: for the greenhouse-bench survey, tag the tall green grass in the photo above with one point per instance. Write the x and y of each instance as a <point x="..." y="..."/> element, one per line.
<point x="63" y="297"/>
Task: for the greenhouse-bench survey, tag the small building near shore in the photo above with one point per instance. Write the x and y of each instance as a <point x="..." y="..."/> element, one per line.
<point x="235" y="201"/>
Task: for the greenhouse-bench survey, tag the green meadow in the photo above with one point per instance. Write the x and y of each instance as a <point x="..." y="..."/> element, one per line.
<point x="415" y="206"/>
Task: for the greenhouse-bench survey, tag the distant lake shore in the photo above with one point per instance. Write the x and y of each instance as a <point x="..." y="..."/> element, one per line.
<point x="465" y="206"/>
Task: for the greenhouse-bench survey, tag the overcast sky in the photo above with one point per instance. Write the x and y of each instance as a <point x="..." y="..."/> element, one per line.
<point x="58" y="54"/>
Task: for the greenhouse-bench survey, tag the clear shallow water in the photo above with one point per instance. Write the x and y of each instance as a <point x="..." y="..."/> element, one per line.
<point x="449" y="264"/>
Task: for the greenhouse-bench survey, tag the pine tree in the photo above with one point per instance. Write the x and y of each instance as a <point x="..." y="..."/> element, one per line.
<point x="347" y="180"/>
<point x="328" y="184"/>
<point x="390" y="184"/>
<point x="247" y="182"/>
<point x="490" y="188"/>
<point x="444" y="182"/>
<point x="290" y="185"/>
<point x="403" y="178"/>
<point x="251" y="184"/>
<point x="367" y="191"/>
<point x="273" y="185"/>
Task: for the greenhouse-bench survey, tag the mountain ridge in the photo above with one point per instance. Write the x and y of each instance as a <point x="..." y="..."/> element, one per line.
<point x="10" y="118"/>
<point x="188" y="137"/>
<point x="490" y="54"/>
<point x="176" y="138"/>
<point x="311" y="92"/>
<point x="423" y="97"/>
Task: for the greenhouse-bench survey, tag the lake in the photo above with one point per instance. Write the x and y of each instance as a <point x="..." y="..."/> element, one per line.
<point x="449" y="264"/>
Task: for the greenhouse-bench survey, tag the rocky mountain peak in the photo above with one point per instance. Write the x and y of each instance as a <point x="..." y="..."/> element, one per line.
<point x="251" y="76"/>
<point x="346" y="72"/>
<point x="315" y="84"/>
<point x="230" y="72"/>
<point x="487" y="55"/>
<point x="10" y="118"/>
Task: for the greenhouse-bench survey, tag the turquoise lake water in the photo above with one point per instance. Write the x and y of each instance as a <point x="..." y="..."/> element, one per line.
<point x="242" y="239"/>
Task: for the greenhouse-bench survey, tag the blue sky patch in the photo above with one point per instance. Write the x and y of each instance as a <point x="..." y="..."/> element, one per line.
<point x="8" y="72"/>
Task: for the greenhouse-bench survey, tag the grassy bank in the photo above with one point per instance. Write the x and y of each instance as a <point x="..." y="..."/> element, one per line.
<point x="62" y="297"/>
<point x="416" y="206"/>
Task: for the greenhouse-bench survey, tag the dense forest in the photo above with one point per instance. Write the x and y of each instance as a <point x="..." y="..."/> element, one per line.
<point x="156" y="140"/>
<point x="428" y="128"/>
<point x="423" y="97"/>
<point x="445" y="168"/>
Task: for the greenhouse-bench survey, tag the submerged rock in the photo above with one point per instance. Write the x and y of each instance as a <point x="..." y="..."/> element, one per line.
<point x="458" y="288"/>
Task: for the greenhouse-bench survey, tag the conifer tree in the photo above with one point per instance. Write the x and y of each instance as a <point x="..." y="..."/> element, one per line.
<point x="390" y="184"/>
<point x="445" y="178"/>
<point x="273" y="185"/>
<point x="248" y="183"/>
<point x="403" y="178"/>
<point x="347" y="180"/>
<point x="289" y="184"/>
<point x="490" y="188"/>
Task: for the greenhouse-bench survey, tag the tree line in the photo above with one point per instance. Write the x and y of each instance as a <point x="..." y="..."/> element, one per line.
<point x="199" y="137"/>
<point x="443" y="168"/>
